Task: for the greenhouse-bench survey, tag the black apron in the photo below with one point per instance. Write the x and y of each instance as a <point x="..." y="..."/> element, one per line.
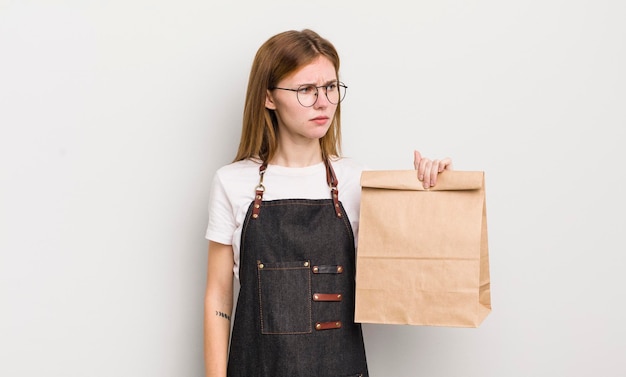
<point x="295" y="311"/>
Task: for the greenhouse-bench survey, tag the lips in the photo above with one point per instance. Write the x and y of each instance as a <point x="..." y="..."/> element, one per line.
<point x="320" y="119"/>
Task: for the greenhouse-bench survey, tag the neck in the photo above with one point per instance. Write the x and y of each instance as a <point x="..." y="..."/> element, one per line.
<point x="298" y="156"/>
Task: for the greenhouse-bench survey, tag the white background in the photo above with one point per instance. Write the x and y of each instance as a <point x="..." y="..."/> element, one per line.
<point x="114" y="116"/>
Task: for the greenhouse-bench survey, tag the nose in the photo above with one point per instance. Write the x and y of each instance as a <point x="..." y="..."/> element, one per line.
<point x="321" y="102"/>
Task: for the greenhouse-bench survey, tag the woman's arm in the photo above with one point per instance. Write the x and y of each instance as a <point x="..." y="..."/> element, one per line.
<point x="218" y="307"/>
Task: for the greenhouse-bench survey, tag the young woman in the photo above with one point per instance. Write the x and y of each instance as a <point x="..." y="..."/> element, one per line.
<point x="283" y="218"/>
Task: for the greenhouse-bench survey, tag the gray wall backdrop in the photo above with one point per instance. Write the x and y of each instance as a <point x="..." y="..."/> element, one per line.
<point x="114" y="116"/>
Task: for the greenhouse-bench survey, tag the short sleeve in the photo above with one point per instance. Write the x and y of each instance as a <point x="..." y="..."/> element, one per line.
<point x="222" y="222"/>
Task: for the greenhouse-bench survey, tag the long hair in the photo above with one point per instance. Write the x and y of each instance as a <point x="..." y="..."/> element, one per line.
<point x="277" y="58"/>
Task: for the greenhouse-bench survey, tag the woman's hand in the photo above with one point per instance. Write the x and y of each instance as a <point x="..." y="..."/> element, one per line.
<point x="427" y="169"/>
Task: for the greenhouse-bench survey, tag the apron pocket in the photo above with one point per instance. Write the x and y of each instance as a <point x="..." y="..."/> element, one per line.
<point x="285" y="297"/>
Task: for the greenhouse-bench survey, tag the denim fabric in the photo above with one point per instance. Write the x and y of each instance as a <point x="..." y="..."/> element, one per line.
<point x="285" y="297"/>
<point x="274" y="331"/>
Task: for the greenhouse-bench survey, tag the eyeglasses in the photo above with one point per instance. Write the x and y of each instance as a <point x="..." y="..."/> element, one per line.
<point x="307" y="94"/>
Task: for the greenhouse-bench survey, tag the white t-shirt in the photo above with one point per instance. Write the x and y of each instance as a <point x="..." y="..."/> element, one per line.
<point x="234" y="186"/>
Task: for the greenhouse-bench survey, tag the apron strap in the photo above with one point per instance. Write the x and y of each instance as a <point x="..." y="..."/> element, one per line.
<point x="331" y="179"/>
<point x="258" y="194"/>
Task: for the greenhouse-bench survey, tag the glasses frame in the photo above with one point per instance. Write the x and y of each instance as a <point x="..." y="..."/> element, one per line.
<point x="317" y="91"/>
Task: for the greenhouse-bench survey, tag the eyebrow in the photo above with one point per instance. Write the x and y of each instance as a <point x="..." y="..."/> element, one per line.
<point x="325" y="84"/>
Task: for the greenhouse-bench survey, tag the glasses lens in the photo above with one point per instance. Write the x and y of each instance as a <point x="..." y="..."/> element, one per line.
<point x="307" y="95"/>
<point x="334" y="93"/>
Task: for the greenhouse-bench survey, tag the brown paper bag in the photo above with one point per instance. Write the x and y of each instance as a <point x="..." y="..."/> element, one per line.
<point x="422" y="256"/>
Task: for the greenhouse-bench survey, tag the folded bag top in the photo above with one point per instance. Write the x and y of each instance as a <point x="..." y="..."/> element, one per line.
<point x="407" y="180"/>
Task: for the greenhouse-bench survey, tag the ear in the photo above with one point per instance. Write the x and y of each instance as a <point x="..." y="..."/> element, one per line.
<point x="269" y="101"/>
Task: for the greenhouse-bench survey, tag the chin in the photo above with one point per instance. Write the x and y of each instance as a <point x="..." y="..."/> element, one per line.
<point x="319" y="135"/>
<point x="322" y="130"/>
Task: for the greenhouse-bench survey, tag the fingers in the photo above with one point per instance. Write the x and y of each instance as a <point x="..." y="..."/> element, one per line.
<point x="417" y="157"/>
<point x="434" y="171"/>
<point x="445" y="164"/>
<point x="428" y="170"/>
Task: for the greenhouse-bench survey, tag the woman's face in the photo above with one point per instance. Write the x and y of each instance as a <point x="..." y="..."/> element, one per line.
<point x="295" y="121"/>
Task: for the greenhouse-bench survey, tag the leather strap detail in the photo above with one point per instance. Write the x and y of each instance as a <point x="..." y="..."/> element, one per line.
<point x="327" y="269"/>
<point x="327" y="297"/>
<point x="258" y="194"/>
<point x="327" y="325"/>
<point x="333" y="182"/>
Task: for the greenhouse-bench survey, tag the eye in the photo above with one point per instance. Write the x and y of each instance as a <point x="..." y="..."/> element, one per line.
<point x="331" y="87"/>
<point x="307" y="89"/>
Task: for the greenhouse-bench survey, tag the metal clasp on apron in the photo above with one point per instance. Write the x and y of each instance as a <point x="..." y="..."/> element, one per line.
<point x="258" y="194"/>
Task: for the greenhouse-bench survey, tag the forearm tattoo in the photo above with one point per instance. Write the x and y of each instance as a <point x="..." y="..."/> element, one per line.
<point x="223" y="315"/>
